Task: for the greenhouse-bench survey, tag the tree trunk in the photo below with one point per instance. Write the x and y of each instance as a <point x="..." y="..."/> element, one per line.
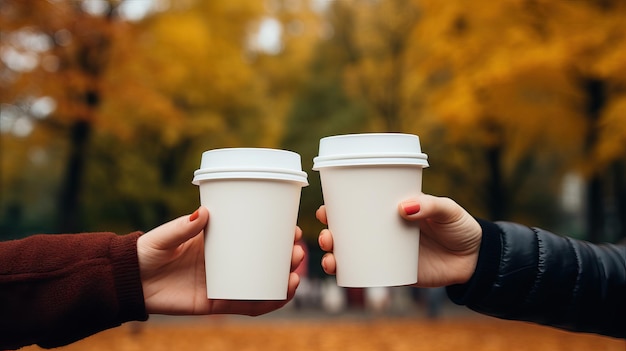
<point x="595" y="90"/>
<point x="595" y="209"/>
<point x="70" y="192"/>
<point x="91" y="58"/>
<point x="619" y="193"/>
<point x="496" y="195"/>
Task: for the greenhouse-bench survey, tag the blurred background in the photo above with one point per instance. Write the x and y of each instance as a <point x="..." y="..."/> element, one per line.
<point x="107" y="105"/>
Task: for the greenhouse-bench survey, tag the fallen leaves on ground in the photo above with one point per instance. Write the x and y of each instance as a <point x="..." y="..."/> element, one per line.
<point x="343" y="335"/>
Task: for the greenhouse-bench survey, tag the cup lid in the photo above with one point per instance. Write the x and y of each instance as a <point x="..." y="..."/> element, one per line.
<point x="370" y="149"/>
<point x="250" y="163"/>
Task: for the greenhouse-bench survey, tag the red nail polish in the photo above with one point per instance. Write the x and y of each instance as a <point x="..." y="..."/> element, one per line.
<point x="194" y="216"/>
<point x="411" y="208"/>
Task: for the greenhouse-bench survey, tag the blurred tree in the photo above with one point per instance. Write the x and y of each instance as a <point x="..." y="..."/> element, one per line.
<point x="68" y="50"/>
<point x="529" y="81"/>
<point x="283" y="70"/>
<point x="204" y="96"/>
<point x="377" y="37"/>
<point x="507" y="97"/>
<point x="136" y="100"/>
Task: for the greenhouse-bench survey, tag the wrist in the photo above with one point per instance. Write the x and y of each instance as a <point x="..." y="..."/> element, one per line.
<point x="484" y="272"/>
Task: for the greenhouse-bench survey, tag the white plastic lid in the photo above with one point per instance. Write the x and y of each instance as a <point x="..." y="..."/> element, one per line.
<point x="250" y="163"/>
<point x="370" y="149"/>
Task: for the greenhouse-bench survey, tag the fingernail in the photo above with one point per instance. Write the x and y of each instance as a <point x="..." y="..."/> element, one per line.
<point x="411" y="207"/>
<point x="194" y="216"/>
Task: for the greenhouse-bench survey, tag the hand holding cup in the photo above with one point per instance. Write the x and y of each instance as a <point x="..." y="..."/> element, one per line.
<point x="449" y="240"/>
<point x="171" y="263"/>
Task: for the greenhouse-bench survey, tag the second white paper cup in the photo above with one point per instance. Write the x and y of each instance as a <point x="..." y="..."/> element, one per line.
<point x="364" y="177"/>
<point x="253" y="197"/>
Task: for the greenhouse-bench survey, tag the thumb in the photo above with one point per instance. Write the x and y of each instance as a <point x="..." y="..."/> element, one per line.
<point x="437" y="209"/>
<point x="173" y="233"/>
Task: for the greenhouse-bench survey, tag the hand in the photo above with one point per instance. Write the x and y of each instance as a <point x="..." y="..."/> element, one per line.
<point x="171" y="263"/>
<point x="449" y="241"/>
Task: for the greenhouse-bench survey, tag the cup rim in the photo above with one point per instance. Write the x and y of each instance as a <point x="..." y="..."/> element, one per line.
<point x="409" y="159"/>
<point x="373" y="134"/>
<point x="249" y="173"/>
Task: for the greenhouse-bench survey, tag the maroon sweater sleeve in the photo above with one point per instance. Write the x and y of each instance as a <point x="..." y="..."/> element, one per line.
<point x="57" y="289"/>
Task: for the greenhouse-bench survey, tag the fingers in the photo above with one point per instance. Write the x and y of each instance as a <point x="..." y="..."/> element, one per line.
<point x="173" y="233"/>
<point x="320" y="214"/>
<point x="298" y="235"/>
<point x="329" y="264"/>
<point x="294" y="281"/>
<point x="325" y="240"/>
<point x="438" y="209"/>
<point x="297" y="256"/>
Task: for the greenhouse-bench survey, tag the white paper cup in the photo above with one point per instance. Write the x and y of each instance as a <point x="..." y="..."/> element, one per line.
<point x="253" y="196"/>
<point x="364" y="177"/>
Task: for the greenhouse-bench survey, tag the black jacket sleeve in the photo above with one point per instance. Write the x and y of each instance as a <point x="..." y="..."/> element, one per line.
<point x="532" y="275"/>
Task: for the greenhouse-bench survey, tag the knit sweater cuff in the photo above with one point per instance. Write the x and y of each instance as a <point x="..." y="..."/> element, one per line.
<point x="127" y="278"/>
<point x="486" y="267"/>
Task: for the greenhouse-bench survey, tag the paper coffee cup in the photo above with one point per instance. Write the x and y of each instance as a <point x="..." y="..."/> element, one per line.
<point x="253" y="196"/>
<point x="364" y="177"/>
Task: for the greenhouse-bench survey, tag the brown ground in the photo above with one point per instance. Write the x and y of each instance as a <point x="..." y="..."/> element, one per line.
<point x="342" y="334"/>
